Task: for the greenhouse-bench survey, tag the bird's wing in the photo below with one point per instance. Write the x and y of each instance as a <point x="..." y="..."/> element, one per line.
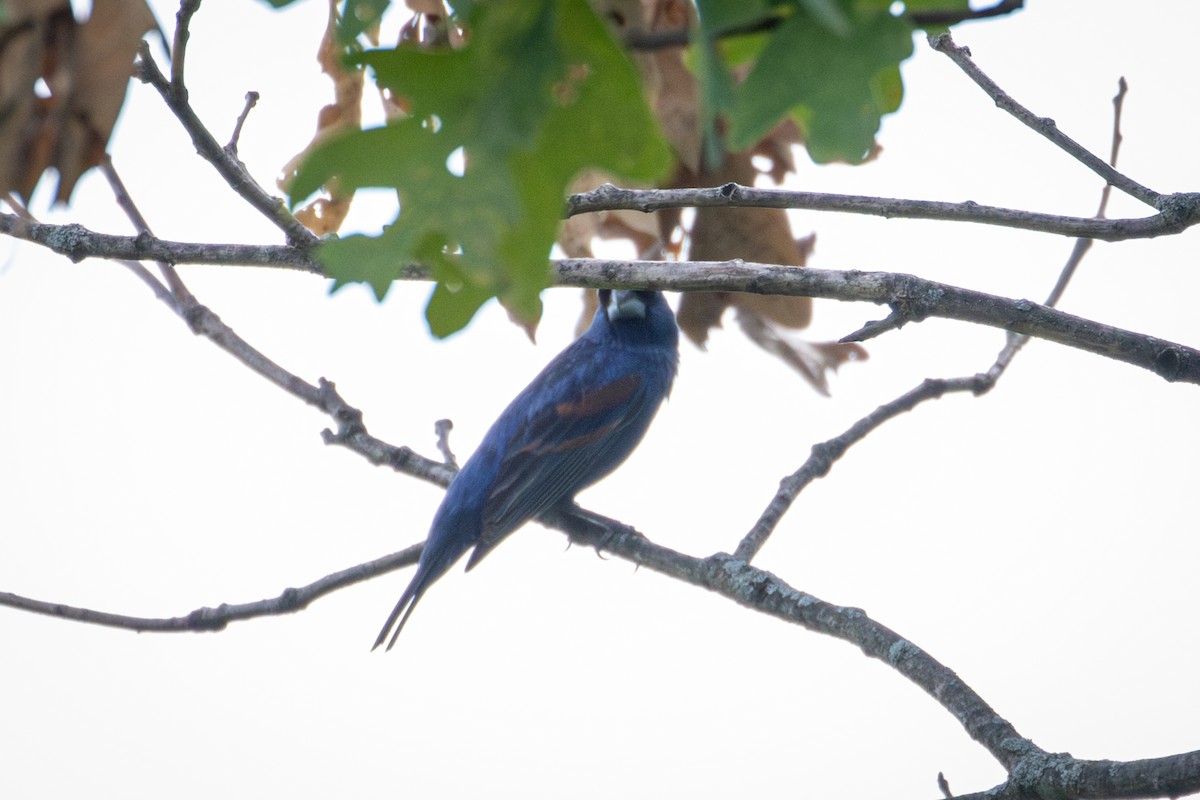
<point x="561" y="449"/>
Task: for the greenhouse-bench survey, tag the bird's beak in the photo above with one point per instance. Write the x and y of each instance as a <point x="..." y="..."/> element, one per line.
<point x="625" y="304"/>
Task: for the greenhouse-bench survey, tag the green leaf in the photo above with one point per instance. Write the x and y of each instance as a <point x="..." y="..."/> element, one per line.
<point x="914" y="6"/>
<point x="829" y="14"/>
<point x="837" y="87"/>
<point x="887" y="87"/>
<point x="738" y="50"/>
<point x="540" y="93"/>
<point x="719" y="16"/>
<point x="935" y="5"/>
<point x="357" y="16"/>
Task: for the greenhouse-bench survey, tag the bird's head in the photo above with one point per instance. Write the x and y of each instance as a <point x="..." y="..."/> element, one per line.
<point x="638" y="316"/>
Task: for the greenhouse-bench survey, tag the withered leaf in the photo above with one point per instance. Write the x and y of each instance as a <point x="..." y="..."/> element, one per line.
<point x="30" y="37"/>
<point x="325" y="215"/>
<point x="813" y="360"/>
<point x="86" y="69"/>
<point x="751" y="234"/>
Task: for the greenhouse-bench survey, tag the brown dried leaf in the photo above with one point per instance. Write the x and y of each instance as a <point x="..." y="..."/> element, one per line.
<point x="812" y="360"/>
<point x="751" y="234"/>
<point x="673" y="91"/>
<point x="28" y="42"/>
<point x="326" y="215"/>
<point x="762" y="235"/>
<point x="95" y="87"/>
<point x="776" y="147"/>
<point x="699" y="313"/>
<point x="86" y="69"/>
<point x="782" y="311"/>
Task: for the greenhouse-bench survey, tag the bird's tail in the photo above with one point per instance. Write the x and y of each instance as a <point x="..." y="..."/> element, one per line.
<point x="404" y="608"/>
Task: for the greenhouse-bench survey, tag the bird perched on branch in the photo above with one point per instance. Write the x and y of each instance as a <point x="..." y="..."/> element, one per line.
<point x="575" y="423"/>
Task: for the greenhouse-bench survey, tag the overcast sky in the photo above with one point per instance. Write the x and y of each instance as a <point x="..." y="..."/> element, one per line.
<point x="1040" y="541"/>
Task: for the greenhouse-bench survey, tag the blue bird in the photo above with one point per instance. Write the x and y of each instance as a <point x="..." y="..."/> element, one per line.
<point x="575" y="423"/>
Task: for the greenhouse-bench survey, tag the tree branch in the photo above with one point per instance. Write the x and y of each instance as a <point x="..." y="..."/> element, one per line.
<point x="1179" y="212"/>
<point x="77" y="243"/>
<point x="288" y="601"/>
<point x="681" y="37"/>
<point x="1176" y="212"/>
<point x="826" y="453"/>
<point x="1060" y="775"/>
<point x="911" y="298"/>
<point x="183" y="19"/>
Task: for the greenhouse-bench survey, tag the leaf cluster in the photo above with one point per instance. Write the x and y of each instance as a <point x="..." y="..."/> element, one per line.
<point x="497" y="125"/>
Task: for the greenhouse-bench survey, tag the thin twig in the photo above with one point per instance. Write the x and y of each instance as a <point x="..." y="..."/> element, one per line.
<point x="350" y="433"/>
<point x="1083" y="245"/>
<point x="18" y="207"/>
<point x="1016" y="341"/>
<point x="825" y="454"/>
<point x="183" y="19"/>
<point x="1177" y="212"/>
<point x="77" y="242"/>
<point x="944" y="787"/>
<point x="230" y="168"/>
<point x="215" y="619"/>
<point x="944" y="43"/>
<point x="442" y="428"/>
<point x="27" y="219"/>
<point x="125" y="201"/>
<point x="251" y="101"/>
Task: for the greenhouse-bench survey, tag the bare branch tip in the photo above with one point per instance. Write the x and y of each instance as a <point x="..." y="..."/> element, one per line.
<point x="251" y="101"/>
<point x="442" y="428"/>
<point x="894" y="321"/>
<point x="944" y="787"/>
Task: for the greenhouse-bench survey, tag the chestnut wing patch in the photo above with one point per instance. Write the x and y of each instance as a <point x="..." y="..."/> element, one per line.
<point x="559" y="451"/>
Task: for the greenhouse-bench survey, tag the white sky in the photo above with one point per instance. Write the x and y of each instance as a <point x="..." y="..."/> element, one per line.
<point x="1040" y="541"/>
